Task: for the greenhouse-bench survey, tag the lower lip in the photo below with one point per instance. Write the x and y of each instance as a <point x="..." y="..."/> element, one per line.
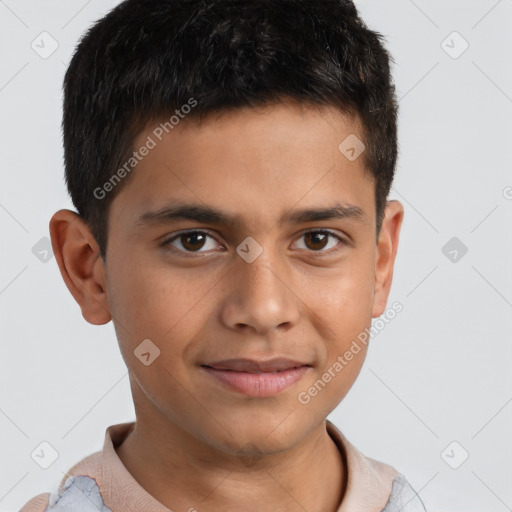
<point x="258" y="384"/>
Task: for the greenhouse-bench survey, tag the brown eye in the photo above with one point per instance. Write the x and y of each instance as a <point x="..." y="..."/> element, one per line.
<point x="190" y="242"/>
<point x="318" y="240"/>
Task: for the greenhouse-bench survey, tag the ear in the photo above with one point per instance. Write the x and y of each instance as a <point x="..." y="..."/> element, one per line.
<point x="387" y="246"/>
<point x="81" y="265"/>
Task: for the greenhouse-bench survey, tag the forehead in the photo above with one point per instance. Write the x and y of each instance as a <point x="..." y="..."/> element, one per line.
<point x="259" y="161"/>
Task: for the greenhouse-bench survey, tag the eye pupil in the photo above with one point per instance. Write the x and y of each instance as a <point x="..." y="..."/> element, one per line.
<point x="194" y="241"/>
<point x="193" y="236"/>
<point x="315" y="236"/>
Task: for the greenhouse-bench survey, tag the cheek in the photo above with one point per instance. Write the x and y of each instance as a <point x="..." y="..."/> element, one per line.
<point x="341" y="307"/>
<point x="158" y="303"/>
<point x="342" y="300"/>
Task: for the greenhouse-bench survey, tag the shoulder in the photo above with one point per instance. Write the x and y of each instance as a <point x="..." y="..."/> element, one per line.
<point x="82" y="487"/>
<point x="78" y="494"/>
<point x="37" y="504"/>
<point x="77" y="491"/>
<point x="403" y="497"/>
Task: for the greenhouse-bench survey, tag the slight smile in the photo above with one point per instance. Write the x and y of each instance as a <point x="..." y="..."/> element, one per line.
<point x="257" y="378"/>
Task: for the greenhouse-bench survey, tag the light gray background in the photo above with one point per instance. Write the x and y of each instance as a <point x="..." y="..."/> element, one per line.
<point x="438" y="373"/>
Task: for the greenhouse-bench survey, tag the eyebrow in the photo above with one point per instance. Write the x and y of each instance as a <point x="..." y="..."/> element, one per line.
<point x="210" y="215"/>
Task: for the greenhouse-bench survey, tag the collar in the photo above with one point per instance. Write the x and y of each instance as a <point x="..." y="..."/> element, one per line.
<point x="368" y="488"/>
<point x="369" y="481"/>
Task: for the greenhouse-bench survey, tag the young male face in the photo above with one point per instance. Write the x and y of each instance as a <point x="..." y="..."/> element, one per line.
<point x="304" y="298"/>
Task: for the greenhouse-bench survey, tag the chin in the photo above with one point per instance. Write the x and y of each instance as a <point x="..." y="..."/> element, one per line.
<point x="259" y="433"/>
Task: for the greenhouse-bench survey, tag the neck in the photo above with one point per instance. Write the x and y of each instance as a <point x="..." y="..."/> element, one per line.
<point x="184" y="473"/>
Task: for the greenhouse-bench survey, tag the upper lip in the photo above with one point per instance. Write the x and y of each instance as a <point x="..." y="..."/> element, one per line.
<point x="254" y="366"/>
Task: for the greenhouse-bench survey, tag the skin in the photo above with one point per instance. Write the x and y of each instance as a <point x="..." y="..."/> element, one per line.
<point x="300" y="299"/>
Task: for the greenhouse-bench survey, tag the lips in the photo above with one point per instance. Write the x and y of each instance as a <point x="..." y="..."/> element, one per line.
<point x="278" y="364"/>
<point x="254" y="378"/>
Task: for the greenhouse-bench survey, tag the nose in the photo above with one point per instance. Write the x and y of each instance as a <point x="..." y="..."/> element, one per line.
<point x="260" y="297"/>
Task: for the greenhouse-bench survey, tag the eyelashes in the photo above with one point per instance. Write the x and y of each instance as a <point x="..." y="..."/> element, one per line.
<point x="200" y="237"/>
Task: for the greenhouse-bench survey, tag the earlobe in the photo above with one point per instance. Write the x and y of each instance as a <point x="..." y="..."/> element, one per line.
<point x="81" y="265"/>
<point x="387" y="247"/>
